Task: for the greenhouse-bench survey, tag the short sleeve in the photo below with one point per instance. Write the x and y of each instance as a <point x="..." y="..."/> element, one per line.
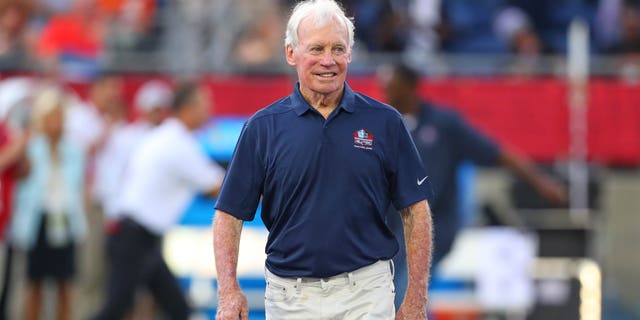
<point x="242" y="186"/>
<point x="408" y="180"/>
<point x="473" y="145"/>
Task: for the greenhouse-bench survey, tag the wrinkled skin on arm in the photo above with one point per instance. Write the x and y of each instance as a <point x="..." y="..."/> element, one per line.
<point x="416" y="220"/>
<point x="232" y="304"/>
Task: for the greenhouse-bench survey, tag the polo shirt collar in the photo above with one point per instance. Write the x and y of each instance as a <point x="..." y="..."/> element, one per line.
<point x="301" y="106"/>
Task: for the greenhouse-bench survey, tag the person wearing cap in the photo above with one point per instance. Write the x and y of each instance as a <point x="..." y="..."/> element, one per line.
<point x="152" y="102"/>
<point x="167" y="169"/>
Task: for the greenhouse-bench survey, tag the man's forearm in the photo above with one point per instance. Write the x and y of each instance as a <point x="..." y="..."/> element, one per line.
<point x="417" y="225"/>
<point x="520" y="166"/>
<point x="542" y="183"/>
<point x="226" y="244"/>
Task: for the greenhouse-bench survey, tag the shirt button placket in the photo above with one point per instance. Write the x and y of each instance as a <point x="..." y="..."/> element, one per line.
<point x="325" y="127"/>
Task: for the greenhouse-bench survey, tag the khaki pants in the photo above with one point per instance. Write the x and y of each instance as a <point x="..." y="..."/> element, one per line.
<point x="366" y="293"/>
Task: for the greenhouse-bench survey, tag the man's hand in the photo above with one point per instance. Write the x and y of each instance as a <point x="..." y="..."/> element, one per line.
<point x="413" y="308"/>
<point x="411" y="312"/>
<point x="543" y="184"/>
<point x="232" y="305"/>
<point x="552" y="191"/>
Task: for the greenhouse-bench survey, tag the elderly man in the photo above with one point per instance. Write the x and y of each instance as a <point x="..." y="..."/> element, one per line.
<point x="327" y="162"/>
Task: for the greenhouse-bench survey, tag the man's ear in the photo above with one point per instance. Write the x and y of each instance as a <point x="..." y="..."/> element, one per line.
<point x="289" y="51"/>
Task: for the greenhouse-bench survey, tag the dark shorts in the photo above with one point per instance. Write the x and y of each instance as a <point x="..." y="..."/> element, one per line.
<point x="47" y="262"/>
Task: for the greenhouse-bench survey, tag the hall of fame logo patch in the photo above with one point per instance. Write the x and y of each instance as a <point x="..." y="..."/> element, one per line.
<point x="363" y="139"/>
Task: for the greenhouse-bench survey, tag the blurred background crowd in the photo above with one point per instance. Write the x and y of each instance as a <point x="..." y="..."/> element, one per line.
<point x="99" y="74"/>
<point x="221" y="35"/>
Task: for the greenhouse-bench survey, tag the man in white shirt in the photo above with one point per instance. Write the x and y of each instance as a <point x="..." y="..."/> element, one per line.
<point x="164" y="174"/>
<point x="152" y="102"/>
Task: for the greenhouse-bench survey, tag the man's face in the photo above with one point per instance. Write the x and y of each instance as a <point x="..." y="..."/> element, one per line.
<point x="321" y="56"/>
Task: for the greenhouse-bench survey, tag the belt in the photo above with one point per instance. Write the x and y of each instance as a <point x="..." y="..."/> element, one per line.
<point x="130" y="224"/>
<point x="380" y="267"/>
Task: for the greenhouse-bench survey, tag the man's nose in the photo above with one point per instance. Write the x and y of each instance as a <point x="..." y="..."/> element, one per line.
<point x="327" y="58"/>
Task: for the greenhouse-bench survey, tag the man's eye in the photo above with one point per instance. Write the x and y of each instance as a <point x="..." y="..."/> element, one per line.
<point x="339" y="50"/>
<point x="316" y="49"/>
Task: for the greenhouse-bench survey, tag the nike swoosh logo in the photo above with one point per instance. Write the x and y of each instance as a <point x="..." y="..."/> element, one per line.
<point x="420" y="182"/>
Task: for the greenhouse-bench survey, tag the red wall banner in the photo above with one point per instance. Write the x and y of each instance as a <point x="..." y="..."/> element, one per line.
<point x="530" y="115"/>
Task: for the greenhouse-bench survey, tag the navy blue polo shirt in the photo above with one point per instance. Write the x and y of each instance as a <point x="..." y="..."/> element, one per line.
<point x="325" y="184"/>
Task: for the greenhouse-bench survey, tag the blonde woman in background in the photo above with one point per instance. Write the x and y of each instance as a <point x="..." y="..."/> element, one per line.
<point x="48" y="214"/>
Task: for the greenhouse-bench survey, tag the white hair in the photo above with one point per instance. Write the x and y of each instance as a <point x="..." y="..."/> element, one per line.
<point x="321" y="10"/>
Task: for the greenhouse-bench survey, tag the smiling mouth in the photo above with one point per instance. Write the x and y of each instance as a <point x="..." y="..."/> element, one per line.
<point x="326" y="75"/>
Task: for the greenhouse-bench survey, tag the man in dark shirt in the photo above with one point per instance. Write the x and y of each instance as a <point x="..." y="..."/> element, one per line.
<point x="444" y="141"/>
<point x="327" y="162"/>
